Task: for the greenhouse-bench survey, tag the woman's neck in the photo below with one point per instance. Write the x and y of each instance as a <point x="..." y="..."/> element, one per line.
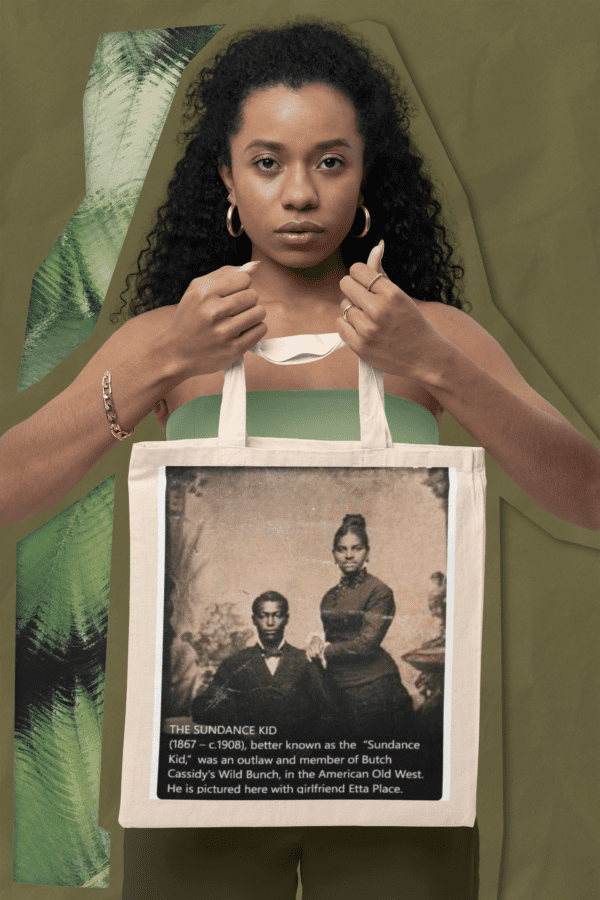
<point x="302" y="289"/>
<point x="353" y="578"/>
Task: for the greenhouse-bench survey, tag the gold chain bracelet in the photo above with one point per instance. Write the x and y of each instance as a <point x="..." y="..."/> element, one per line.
<point x="109" y="407"/>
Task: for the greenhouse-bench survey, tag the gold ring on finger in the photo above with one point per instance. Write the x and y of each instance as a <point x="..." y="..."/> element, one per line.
<point x="371" y="283"/>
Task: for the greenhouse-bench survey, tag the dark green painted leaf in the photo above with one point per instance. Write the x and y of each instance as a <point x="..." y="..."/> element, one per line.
<point x="63" y="573"/>
<point x="57" y="838"/>
<point x="132" y="82"/>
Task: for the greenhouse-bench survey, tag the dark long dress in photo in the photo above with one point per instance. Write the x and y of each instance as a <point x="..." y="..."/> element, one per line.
<point x="356" y="616"/>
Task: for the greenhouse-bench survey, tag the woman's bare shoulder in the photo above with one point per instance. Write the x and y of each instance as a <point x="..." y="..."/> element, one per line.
<point x="466" y="334"/>
<point x="477" y="343"/>
<point x="442" y="316"/>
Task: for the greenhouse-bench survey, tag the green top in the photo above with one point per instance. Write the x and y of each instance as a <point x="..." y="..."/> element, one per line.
<point x="325" y="415"/>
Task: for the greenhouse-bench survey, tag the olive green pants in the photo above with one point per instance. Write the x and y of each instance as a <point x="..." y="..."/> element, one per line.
<point x="336" y="863"/>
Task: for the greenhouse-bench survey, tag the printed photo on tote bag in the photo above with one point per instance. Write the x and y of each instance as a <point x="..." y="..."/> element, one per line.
<point x="305" y="626"/>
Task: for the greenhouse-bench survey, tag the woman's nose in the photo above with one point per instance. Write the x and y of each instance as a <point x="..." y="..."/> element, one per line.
<point x="299" y="190"/>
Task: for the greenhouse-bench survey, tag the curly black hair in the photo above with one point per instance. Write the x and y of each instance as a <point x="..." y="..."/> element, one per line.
<point x="189" y="238"/>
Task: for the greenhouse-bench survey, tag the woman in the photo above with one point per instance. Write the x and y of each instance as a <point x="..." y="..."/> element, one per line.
<point x="356" y="616"/>
<point x="200" y="318"/>
<point x="300" y="137"/>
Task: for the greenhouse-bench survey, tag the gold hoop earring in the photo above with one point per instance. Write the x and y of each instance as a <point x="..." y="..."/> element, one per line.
<point x="367" y="222"/>
<point x="229" y="222"/>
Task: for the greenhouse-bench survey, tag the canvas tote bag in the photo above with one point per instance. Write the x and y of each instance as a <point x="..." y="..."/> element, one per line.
<point x="219" y="732"/>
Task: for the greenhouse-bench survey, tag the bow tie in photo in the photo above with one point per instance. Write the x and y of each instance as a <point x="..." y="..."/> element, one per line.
<point x="269" y="654"/>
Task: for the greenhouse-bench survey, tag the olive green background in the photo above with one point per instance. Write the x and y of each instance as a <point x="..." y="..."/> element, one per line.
<point x="511" y="91"/>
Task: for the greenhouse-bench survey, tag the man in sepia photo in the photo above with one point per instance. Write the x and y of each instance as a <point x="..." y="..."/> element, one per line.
<point x="269" y="683"/>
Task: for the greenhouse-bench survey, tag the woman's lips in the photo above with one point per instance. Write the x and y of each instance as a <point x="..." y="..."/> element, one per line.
<point x="299" y="232"/>
<point x="299" y="227"/>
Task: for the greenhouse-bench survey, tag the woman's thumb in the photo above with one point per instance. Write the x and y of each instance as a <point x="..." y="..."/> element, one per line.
<point x="375" y="257"/>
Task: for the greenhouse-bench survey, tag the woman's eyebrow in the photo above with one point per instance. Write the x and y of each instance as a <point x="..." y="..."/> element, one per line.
<point x="323" y="145"/>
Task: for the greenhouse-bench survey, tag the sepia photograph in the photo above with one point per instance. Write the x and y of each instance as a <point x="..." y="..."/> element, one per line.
<point x="308" y="606"/>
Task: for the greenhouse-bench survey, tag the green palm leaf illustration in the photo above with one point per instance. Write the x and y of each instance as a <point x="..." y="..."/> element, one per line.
<point x="62" y="606"/>
<point x="63" y="567"/>
<point x="63" y="573"/>
<point x="56" y="796"/>
<point x="131" y="85"/>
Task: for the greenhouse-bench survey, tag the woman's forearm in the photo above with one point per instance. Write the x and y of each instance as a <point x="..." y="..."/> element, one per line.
<point x="545" y="455"/>
<point x="42" y="458"/>
<point x="217" y="320"/>
<point x="470" y="375"/>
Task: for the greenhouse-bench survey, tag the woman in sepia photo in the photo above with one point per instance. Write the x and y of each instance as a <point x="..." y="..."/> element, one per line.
<point x="356" y="616"/>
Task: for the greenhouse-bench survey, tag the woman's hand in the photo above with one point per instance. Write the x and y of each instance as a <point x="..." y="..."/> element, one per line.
<point x="217" y="320"/>
<point x="385" y="327"/>
<point x="467" y="372"/>
<point x="45" y="456"/>
<point x="315" y="649"/>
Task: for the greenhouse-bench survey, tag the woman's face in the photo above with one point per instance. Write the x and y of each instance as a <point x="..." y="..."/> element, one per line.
<point x="295" y="175"/>
<point x="350" y="553"/>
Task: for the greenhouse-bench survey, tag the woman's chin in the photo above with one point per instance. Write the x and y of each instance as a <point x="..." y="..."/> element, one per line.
<point x="305" y="258"/>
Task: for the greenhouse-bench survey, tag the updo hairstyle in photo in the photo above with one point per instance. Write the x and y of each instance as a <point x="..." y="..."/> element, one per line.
<point x="353" y="523"/>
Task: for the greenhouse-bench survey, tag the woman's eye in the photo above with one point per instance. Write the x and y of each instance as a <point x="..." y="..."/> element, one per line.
<point x="332" y="162"/>
<point x="266" y="163"/>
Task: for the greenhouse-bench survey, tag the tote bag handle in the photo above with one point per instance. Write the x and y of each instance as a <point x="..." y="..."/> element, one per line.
<point x="295" y="350"/>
